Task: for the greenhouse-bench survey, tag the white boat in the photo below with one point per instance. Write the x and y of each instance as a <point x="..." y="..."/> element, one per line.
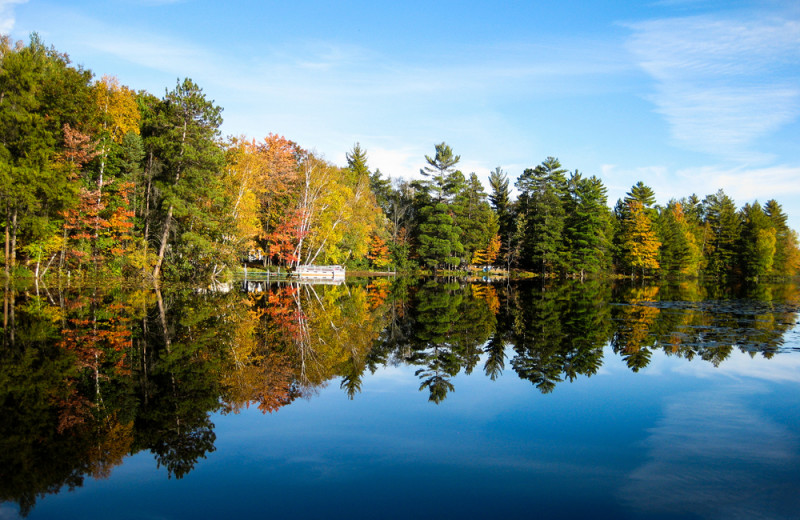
<point x="328" y="272"/>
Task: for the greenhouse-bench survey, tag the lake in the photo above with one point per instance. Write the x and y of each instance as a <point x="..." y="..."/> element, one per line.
<point x="401" y="399"/>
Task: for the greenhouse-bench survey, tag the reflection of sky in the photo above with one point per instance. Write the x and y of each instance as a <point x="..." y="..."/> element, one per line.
<point x="676" y="439"/>
<point x="709" y="455"/>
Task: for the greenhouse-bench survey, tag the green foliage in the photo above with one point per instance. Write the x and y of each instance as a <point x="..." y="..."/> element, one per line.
<point x="97" y="179"/>
<point x="439" y="242"/>
<point x="724" y="223"/>
<point x="588" y="225"/>
<point x="541" y="206"/>
<point x="680" y="254"/>
<point x="439" y="170"/>
<point x="474" y="217"/>
<point x="757" y="241"/>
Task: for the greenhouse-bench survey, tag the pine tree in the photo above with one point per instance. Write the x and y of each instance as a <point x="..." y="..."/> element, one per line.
<point x="680" y="253"/>
<point x="439" y="168"/>
<point x="588" y="226"/>
<point x="439" y="237"/>
<point x="787" y="255"/>
<point x="183" y="135"/>
<point x="541" y="207"/>
<point x="474" y="217"/>
<point x="756" y="243"/>
<point x="723" y="223"/>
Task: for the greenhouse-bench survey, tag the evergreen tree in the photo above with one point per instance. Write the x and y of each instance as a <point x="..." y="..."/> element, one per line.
<point x="40" y="96"/>
<point x="723" y="223"/>
<point x="541" y="206"/>
<point x="357" y="161"/>
<point x="438" y="237"/>
<point x="440" y="167"/>
<point x="500" y="197"/>
<point x="588" y="225"/>
<point x="756" y="244"/>
<point x="643" y="194"/>
<point x="787" y="256"/>
<point x="183" y="134"/>
<point x="474" y="217"/>
<point x="680" y="253"/>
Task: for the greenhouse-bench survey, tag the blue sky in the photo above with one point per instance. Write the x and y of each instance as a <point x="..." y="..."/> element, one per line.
<point x="686" y="95"/>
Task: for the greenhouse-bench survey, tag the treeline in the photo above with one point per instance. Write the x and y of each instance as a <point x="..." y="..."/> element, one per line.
<point x="96" y="178"/>
<point x="560" y="225"/>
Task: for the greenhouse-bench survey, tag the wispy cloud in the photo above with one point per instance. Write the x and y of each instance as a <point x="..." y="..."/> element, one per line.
<point x="721" y="83"/>
<point x="701" y="461"/>
<point x="7" y="19"/>
<point x="742" y="183"/>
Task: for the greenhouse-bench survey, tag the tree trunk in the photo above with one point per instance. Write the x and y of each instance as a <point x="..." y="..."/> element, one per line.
<point x="147" y="197"/>
<point x="8" y="244"/>
<point x="13" y="258"/>
<point x="163" y="247"/>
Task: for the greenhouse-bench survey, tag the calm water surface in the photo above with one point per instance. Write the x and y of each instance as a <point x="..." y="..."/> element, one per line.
<point x="402" y="400"/>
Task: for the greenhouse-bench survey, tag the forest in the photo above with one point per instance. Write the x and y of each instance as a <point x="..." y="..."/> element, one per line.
<point x="99" y="179"/>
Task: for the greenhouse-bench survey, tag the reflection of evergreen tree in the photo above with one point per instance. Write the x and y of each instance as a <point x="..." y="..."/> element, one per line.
<point x="452" y="322"/>
<point x="695" y="321"/>
<point x="495" y="348"/>
<point x="495" y="351"/>
<point x="436" y="315"/>
<point x="587" y="326"/>
<point x="559" y="332"/>
<point x="538" y="336"/>
<point x="185" y="349"/>
<point x="87" y="379"/>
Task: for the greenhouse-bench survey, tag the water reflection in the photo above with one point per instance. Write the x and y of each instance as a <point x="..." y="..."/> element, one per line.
<point x="90" y="376"/>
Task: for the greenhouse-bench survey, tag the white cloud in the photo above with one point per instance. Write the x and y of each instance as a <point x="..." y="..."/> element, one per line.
<point x="742" y="183"/>
<point x="721" y="83"/>
<point x="7" y="19"/>
<point x="396" y="162"/>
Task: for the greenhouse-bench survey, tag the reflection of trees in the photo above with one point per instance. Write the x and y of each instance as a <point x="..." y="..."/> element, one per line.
<point x="89" y="377"/>
<point x="323" y="331"/>
<point x="451" y="324"/>
<point x="633" y="340"/>
<point x="705" y="322"/>
<point x="559" y="332"/>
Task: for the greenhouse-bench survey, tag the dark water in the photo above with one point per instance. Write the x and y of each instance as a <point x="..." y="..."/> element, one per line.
<point x="401" y="400"/>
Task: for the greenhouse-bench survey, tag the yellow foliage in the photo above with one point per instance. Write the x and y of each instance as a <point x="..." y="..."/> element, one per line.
<point x="117" y="103"/>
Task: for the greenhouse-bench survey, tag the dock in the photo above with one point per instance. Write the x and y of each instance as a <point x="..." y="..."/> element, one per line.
<point x="319" y="272"/>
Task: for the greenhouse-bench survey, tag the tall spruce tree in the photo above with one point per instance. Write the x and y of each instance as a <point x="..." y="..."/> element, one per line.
<point x="500" y="197"/>
<point x="541" y="206"/>
<point x="723" y="222"/>
<point x="787" y="255"/>
<point x="438" y="238"/>
<point x="756" y="243"/>
<point x="474" y="217"/>
<point x="588" y="225"/>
